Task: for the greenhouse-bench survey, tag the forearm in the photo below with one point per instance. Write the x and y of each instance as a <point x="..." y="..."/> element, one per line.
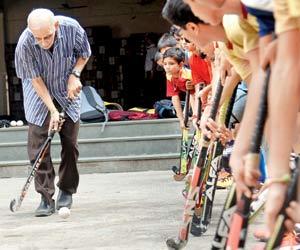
<point x="43" y="93"/>
<point x="230" y="84"/>
<point x="177" y="106"/>
<point x="250" y="113"/>
<point x="81" y="62"/>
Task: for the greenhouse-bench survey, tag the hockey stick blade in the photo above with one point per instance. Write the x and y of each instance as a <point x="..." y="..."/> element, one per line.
<point x="173" y="245"/>
<point x="175" y="170"/>
<point x="13" y="205"/>
<point x="177" y="176"/>
<point x="198" y="230"/>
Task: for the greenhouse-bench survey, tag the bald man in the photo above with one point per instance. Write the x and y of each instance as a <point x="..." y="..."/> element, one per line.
<point x="50" y="55"/>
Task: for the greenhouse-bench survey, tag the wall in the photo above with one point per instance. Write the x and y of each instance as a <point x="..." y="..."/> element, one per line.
<point x="3" y="86"/>
<point x="123" y="16"/>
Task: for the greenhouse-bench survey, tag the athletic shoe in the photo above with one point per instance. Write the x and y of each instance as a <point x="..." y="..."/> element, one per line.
<point x="289" y="241"/>
<point x="225" y="180"/>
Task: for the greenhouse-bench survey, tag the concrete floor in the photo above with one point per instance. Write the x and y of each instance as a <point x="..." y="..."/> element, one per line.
<point x="134" y="211"/>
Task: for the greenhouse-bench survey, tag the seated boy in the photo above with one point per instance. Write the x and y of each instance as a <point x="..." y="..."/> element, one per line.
<point x="177" y="78"/>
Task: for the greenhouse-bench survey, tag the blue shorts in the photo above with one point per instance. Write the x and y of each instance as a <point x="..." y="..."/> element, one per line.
<point x="265" y="20"/>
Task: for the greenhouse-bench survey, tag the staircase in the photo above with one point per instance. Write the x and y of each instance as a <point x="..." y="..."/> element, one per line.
<point x="123" y="146"/>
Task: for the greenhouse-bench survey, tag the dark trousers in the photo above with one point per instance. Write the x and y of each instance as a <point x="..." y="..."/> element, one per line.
<point x="68" y="172"/>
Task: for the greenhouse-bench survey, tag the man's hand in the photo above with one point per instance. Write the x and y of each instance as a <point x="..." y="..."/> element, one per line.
<point x="182" y="126"/>
<point x="56" y="121"/>
<point x="203" y="95"/>
<point x="275" y="199"/>
<point x="189" y="85"/>
<point x="74" y="87"/>
<point x="237" y="164"/>
<point x="196" y="123"/>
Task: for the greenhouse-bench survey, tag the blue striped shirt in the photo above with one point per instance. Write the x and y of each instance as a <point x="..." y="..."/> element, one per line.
<point x="54" y="68"/>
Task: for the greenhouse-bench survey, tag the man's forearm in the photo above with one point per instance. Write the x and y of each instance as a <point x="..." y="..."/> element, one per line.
<point x="230" y="83"/>
<point x="43" y="93"/>
<point x="81" y="62"/>
<point x="250" y="112"/>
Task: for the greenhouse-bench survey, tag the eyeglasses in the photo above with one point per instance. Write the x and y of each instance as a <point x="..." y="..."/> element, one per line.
<point x="45" y="38"/>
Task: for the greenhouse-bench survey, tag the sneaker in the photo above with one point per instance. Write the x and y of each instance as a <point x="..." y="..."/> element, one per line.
<point x="225" y="180"/>
<point x="289" y="241"/>
<point x="46" y="208"/>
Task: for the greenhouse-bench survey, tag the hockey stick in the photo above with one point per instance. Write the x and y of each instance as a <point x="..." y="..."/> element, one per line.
<point x="211" y="183"/>
<point x="16" y="203"/>
<point x="277" y="235"/>
<point x="238" y="230"/>
<point x="195" y="183"/>
<point x="194" y="150"/>
<point x="184" y="149"/>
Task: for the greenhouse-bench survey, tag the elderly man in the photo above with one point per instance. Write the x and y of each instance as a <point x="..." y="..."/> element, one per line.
<point x="50" y="55"/>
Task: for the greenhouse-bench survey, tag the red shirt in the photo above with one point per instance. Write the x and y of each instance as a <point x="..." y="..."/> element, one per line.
<point x="175" y="86"/>
<point x="200" y="70"/>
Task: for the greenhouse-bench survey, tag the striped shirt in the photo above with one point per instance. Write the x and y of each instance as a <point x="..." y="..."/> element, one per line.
<point x="54" y="68"/>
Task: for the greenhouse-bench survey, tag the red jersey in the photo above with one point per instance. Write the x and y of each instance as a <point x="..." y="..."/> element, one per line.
<point x="200" y="70"/>
<point x="177" y="85"/>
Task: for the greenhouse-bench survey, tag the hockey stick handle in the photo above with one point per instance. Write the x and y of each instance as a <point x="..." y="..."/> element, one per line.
<point x="215" y="105"/>
<point x="186" y="107"/>
<point x="230" y="107"/>
<point x="216" y="101"/>
<point x="261" y="116"/>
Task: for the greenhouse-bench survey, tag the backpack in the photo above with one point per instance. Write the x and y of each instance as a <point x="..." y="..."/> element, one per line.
<point x="92" y="106"/>
<point x="4" y="123"/>
<point x="165" y="109"/>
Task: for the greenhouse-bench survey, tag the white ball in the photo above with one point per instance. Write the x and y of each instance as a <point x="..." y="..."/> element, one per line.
<point x="13" y="123"/>
<point x="64" y="212"/>
<point x="20" y="123"/>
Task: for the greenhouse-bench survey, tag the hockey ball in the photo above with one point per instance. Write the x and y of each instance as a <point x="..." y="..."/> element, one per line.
<point x="64" y="212"/>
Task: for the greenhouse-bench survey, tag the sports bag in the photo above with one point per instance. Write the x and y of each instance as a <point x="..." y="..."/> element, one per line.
<point x="92" y="106"/>
<point x="165" y="109"/>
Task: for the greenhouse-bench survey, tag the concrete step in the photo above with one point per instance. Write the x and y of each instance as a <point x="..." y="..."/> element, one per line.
<point x="90" y="165"/>
<point x="112" y="129"/>
<point x="102" y="147"/>
<point x="123" y="146"/>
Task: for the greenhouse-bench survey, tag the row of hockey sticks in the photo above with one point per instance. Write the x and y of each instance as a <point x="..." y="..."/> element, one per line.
<point x="237" y="217"/>
<point x="213" y="169"/>
<point x="240" y="218"/>
<point x="231" y="214"/>
<point x="16" y="203"/>
<point x="196" y="181"/>
<point x="187" y="152"/>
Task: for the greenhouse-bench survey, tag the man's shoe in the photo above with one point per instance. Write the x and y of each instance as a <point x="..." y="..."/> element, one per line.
<point x="45" y="208"/>
<point x="64" y="199"/>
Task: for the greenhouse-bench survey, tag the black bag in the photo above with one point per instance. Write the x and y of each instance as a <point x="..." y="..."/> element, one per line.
<point x="165" y="109"/>
<point x="92" y="106"/>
